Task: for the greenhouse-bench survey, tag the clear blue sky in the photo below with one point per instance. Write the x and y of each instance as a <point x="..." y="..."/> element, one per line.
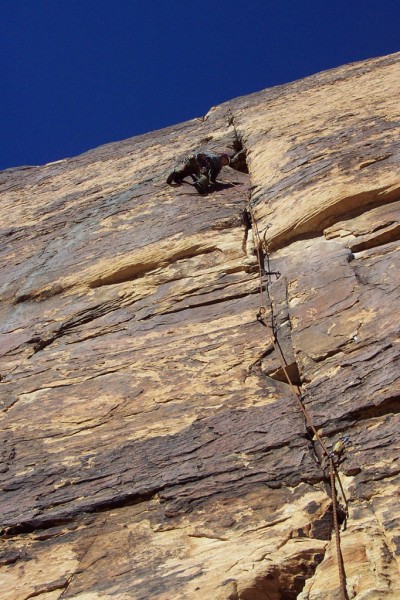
<point x="76" y="74"/>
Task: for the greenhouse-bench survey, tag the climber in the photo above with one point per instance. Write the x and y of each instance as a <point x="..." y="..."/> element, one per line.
<point x="203" y="168"/>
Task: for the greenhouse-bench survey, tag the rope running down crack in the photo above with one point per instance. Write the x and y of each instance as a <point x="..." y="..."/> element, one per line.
<point x="333" y="474"/>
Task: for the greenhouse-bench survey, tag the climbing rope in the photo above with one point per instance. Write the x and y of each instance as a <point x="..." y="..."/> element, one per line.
<point x="333" y="474"/>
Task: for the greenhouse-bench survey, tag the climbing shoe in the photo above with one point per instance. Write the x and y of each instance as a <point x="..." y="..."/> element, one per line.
<point x="200" y="187"/>
<point x="175" y="177"/>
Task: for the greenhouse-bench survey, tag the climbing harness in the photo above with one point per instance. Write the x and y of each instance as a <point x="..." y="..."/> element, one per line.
<point x="329" y="456"/>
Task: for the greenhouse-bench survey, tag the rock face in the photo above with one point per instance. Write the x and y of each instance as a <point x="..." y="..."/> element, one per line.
<point x="151" y="446"/>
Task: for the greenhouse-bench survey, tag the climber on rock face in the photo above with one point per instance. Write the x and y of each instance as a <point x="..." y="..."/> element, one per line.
<point x="203" y="167"/>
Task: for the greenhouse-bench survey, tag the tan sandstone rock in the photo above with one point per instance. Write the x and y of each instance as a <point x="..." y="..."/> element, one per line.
<point x="151" y="446"/>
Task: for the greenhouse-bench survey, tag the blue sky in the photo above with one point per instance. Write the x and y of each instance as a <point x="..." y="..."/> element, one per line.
<point x="76" y="74"/>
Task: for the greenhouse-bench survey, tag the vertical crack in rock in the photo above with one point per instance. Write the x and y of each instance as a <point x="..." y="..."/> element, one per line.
<point x="239" y="160"/>
<point x="246" y="217"/>
<point x="289" y="580"/>
<point x="319" y="452"/>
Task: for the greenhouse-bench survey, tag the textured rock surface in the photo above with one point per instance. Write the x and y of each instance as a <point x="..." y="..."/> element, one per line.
<point x="150" y="448"/>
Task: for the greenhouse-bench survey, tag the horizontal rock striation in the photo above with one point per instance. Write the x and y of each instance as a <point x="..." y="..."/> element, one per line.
<point x="151" y="445"/>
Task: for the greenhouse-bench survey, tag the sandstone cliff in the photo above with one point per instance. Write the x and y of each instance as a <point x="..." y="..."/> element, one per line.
<point x="151" y="446"/>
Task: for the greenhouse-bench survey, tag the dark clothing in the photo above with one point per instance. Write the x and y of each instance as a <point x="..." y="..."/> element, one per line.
<point x="203" y="167"/>
<point x="204" y="163"/>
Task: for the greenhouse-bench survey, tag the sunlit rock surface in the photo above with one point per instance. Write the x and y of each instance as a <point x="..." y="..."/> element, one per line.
<point x="150" y="445"/>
